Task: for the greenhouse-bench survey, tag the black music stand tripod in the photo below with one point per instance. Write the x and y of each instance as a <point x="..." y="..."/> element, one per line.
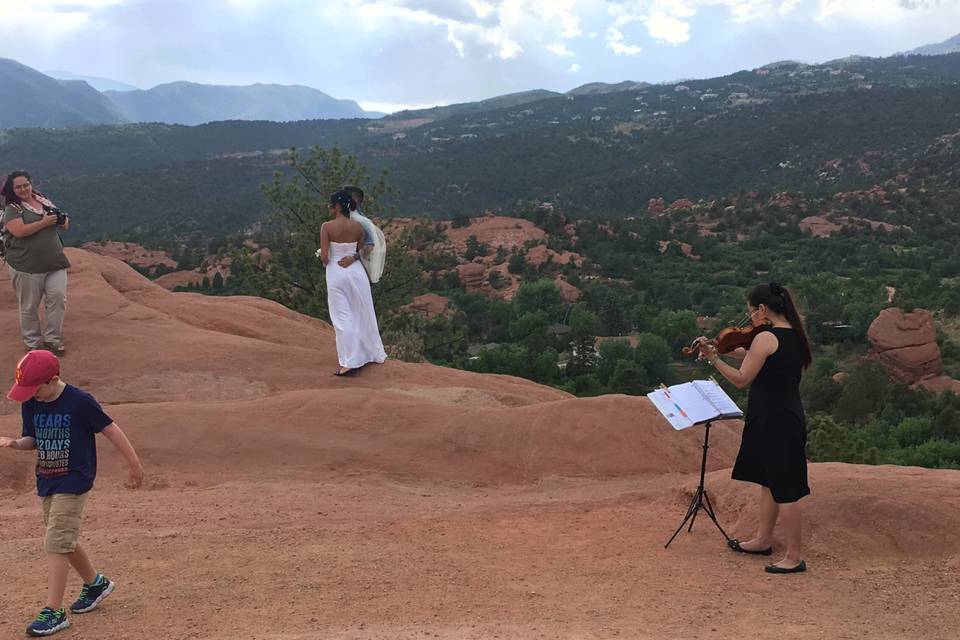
<point x="700" y="498"/>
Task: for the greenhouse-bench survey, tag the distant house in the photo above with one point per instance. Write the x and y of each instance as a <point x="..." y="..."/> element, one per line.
<point x="633" y="341"/>
<point x="559" y="329"/>
<point x="474" y="350"/>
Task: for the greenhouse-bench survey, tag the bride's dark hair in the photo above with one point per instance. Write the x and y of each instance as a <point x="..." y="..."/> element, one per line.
<point x="343" y="199"/>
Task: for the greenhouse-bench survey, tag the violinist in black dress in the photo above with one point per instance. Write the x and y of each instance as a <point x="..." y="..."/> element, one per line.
<point x="772" y="450"/>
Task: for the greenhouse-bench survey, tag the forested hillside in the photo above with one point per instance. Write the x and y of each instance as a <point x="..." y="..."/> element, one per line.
<point x="786" y="127"/>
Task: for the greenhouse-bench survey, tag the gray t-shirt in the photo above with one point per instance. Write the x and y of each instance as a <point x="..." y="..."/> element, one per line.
<point x="40" y="253"/>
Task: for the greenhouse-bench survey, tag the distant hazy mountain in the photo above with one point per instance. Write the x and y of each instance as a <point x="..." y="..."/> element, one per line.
<point x="191" y="104"/>
<point x="596" y="88"/>
<point x="32" y="99"/>
<point x="100" y="84"/>
<point x="463" y="108"/>
<point x="947" y="46"/>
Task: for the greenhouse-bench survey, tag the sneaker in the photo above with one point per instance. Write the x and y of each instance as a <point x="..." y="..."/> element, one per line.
<point x="92" y="594"/>
<point x="48" y="622"/>
<point x="56" y="348"/>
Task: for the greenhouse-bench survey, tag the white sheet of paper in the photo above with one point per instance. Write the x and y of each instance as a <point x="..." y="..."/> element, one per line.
<point x="668" y="408"/>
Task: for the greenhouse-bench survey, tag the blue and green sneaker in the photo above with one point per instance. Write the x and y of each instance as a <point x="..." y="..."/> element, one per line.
<point x="92" y="594"/>
<point x="48" y="622"/>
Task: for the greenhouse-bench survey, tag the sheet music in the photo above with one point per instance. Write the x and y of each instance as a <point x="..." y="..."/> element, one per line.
<point x="715" y="395"/>
<point x="670" y="410"/>
<point x="691" y="403"/>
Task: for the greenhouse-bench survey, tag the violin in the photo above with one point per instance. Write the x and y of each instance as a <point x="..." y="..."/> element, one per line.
<point x="728" y="340"/>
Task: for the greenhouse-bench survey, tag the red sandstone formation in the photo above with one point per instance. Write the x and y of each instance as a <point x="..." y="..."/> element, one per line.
<point x="685" y="247"/>
<point x="680" y="205"/>
<point x="539" y="254"/>
<point x="414" y="500"/>
<point x="472" y="275"/>
<point x="821" y="227"/>
<point x="495" y="231"/>
<point x="905" y="343"/>
<point x="429" y="305"/>
<point x="132" y="253"/>
<point x="569" y="293"/>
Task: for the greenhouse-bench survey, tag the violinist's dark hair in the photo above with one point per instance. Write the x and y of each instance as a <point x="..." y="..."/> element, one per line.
<point x="778" y="299"/>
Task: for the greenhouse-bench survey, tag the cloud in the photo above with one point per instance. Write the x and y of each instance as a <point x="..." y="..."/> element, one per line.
<point x="57" y="18"/>
<point x="787" y="6"/>
<point x="375" y="49"/>
<point x="559" y="49"/>
<point x="883" y="11"/>
<point x="616" y="42"/>
<point x="667" y="28"/>
<point x="393" y="107"/>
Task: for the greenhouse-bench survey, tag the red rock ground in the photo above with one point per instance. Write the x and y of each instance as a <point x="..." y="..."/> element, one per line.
<point x="414" y="501"/>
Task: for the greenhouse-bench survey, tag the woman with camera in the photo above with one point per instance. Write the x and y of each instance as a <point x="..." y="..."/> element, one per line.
<point x="35" y="258"/>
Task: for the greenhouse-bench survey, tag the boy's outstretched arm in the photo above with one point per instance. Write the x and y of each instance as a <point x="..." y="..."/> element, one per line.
<point x="25" y="443"/>
<point x="118" y="438"/>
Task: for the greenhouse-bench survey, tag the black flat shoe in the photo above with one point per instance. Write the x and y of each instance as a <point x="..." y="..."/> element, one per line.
<point x="772" y="568"/>
<point x="734" y="544"/>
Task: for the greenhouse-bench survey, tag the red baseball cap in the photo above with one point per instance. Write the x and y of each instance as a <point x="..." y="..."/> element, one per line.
<point x="34" y="369"/>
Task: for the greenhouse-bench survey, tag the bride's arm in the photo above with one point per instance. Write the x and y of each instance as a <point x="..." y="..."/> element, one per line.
<point x="324" y="245"/>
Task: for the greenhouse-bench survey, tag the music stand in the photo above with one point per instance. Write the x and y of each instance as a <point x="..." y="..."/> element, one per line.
<point x="700" y="498"/>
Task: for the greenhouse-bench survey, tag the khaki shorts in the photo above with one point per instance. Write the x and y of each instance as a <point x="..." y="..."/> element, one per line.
<point x="62" y="513"/>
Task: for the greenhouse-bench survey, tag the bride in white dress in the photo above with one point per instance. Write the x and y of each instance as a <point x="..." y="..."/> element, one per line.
<point x="348" y="289"/>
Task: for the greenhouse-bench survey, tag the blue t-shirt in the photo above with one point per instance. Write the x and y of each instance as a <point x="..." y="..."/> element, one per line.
<point x="64" y="430"/>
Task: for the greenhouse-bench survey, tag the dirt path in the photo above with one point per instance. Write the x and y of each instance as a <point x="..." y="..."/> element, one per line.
<point x="368" y="557"/>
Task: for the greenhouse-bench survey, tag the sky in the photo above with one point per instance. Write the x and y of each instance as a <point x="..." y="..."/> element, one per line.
<point x="393" y="54"/>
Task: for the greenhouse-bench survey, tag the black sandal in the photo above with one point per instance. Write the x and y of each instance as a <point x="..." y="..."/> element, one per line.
<point x="347" y="372"/>
<point x="772" y="568"/>
<point x="734" y="544"/>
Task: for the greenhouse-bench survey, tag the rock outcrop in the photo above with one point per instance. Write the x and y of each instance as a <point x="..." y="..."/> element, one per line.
<point x="429" y="305"/>
<point x="905" y="343"/>
<point x="132" y="253"/>
<point x="472" y="275"/>
<point x="431" y="496"/>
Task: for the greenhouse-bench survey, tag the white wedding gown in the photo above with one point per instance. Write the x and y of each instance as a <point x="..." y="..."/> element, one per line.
<point x="351" y="310"/>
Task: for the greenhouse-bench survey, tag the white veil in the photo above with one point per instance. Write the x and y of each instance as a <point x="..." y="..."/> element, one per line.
<point x="373" y="261"/>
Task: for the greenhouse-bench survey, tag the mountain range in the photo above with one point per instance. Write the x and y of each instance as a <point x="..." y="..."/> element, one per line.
<point x="951" y="45"/>
<point x="35" y="99"/>
<point x="191" y="104"/>
<point x="100" y="84"/>
<point x="32" y="99"/>
<point x="65" y="99"/>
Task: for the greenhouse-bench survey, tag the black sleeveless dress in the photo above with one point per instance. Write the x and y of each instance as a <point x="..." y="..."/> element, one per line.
<point x="773" y="448"/>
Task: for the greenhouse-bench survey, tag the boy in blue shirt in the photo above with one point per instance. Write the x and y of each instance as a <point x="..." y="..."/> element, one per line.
<point x="60" y="422"/>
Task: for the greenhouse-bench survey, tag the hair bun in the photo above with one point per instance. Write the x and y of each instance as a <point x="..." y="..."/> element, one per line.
<point x="343" y="199"/>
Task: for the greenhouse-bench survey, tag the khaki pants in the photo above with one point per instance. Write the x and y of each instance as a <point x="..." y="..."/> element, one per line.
<point x="32" y="289"/>
<point x="62" y="513"/>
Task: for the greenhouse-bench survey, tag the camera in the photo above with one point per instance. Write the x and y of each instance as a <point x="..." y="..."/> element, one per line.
<point x="55" y="211"/>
